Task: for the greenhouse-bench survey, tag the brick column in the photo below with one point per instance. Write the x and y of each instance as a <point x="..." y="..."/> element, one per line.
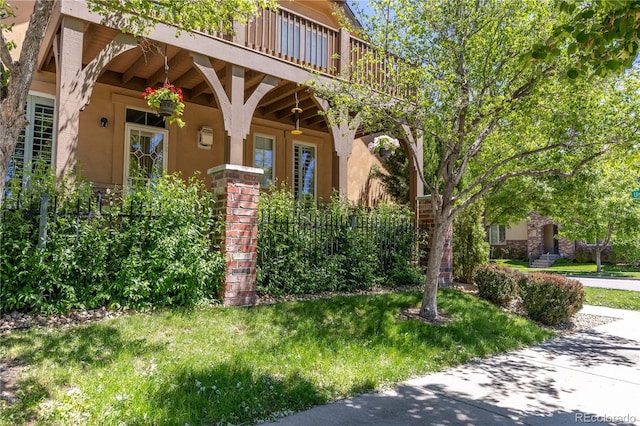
<point x="426" y="220"/>
<point x="237" y="191"/>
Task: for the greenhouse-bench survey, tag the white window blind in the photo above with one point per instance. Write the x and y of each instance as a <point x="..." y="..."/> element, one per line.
<point x="497" y="234"/>
<point x="304" y="171"/>
<point x="36" y="140"/>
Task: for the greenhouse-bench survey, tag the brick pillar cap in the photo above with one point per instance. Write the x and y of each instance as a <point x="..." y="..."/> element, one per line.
<point x="234" y="168"/>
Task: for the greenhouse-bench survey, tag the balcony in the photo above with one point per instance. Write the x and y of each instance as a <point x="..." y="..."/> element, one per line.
<point x="279" y="43"/>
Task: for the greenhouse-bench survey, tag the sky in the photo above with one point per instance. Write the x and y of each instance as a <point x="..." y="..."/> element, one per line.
<point x="356" y="5"/>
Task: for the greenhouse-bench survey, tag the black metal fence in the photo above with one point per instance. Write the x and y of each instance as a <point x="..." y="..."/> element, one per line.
<point x="115" y="249"/>
<point x="321" y="233"/>
<point x="307" y="250"/>
<point x="43" y="214"/>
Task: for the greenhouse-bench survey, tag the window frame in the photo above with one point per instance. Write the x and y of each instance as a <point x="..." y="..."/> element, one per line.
<point x="295" y="144"/>
<point x="273" y="157"/>
<point x="499" y="242"/>
<point x="27" y="157"/>
<point x="127" y="147"/>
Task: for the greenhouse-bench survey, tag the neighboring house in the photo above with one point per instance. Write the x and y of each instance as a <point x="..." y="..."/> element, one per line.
<point x="529" y="239"/>
<point x="86" y="113"/>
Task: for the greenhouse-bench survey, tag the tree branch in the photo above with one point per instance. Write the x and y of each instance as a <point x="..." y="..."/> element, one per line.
<point x="486" y="186"/>
<point x="5" y="54"/>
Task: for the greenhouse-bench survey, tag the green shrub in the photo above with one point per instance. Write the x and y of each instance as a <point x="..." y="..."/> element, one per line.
<point x="305" y="249"/>
<point x="497" y="284"/>
<point x="403" y="274"/>
<point x="469" y="246"/>
<point x="550" y="298"/>
<point x="150" y="247"/>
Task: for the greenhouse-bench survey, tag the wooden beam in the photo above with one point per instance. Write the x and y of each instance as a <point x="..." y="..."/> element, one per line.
<point x="131" y="72"/>
<point x="305" y="104"/>
<point x="200" y="88"/>
<point x="158" y="76"/>
<point x="186" y="76"/>
<point x="281" y="92"/>
<point x="86" y="40"/>
<point x="286" y="101"/>
<point x="314" y="119"/>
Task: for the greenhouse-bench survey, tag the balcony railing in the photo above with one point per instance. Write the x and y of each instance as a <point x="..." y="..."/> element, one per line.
<point x="305" y="42"/>
<point x="296" y="39"/>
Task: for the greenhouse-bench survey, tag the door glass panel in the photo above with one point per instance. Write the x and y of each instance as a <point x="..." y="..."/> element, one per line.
<point x="146" y="154"/>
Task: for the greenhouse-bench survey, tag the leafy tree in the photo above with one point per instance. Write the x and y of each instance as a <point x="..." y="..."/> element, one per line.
<point x="135" y="16"/>
<point x="486" y="111"/>
<point x="597" y="206"/>
<point x="602" y="35"/>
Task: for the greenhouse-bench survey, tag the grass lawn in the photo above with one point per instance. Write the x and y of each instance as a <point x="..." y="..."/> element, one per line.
<point x="621" y="299"/>
<point x="244" y="365"/>
<point x="569" y="268"/>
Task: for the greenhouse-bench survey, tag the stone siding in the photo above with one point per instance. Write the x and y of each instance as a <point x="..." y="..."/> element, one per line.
<point x="535" y="237"/>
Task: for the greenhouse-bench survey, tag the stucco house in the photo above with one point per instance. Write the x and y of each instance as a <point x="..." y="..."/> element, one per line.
<point x="86" y="113"/>
<point x="535" y="239"/>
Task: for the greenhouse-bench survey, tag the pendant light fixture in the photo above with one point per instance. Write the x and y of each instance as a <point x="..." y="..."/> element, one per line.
<point x="296" y="117"/>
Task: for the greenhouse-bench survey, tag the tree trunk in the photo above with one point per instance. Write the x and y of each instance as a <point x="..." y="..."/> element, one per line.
<point x="598" y="256"/>
<point x="12" y="119"/>
<point x="11" y="123"/>
<point x="429" y="308"/>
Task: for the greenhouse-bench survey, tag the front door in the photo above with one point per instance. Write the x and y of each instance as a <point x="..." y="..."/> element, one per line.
<point x="550" y="242"/>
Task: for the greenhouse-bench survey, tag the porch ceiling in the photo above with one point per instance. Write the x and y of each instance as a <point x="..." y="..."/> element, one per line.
<point x="139" y="68"/>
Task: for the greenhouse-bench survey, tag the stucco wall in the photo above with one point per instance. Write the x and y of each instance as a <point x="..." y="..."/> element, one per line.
<point x="100" y="151"/>
<point x="363" y="188"/>
<point x="517" y="231"/>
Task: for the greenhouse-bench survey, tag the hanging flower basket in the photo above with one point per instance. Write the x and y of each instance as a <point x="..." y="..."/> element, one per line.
<point x="385" y="153"/>
<point x="166" y="108"/>
<point x="383" y="145"/>
<point x="168" y="102"/>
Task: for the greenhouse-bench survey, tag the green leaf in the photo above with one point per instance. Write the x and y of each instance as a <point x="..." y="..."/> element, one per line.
<point x="539" y="54"/>
<point x="573" y="73"/>
<point x="587" y="14"/>
<point x="612" y="64"/>
<point x="581" y="37"/>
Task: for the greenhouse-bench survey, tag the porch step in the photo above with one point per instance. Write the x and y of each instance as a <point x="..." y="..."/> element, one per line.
<point x="545" y="261"/>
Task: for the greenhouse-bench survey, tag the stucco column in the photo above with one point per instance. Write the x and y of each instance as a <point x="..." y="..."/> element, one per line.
<point x="74" y="84"/>
<point x="237" y="191"/>
<point x="343" y="134"/>
<point x="426" y="220"/>
<point x="236" y="112"/>
<point x="68" y="100"/>
<point x="340" y="178"/>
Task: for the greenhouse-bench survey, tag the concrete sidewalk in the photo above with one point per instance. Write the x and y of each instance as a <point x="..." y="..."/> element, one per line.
<point x="587" y="377"/>
<point x="611" y="283"/>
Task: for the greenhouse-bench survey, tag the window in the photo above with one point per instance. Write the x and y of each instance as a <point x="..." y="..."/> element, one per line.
<point x="304" y="171"/>
<point x="263" y="158"/>
<point x="145" y="156"/>
<point x="497" y="234"/>
<point x="35" y="143"/>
